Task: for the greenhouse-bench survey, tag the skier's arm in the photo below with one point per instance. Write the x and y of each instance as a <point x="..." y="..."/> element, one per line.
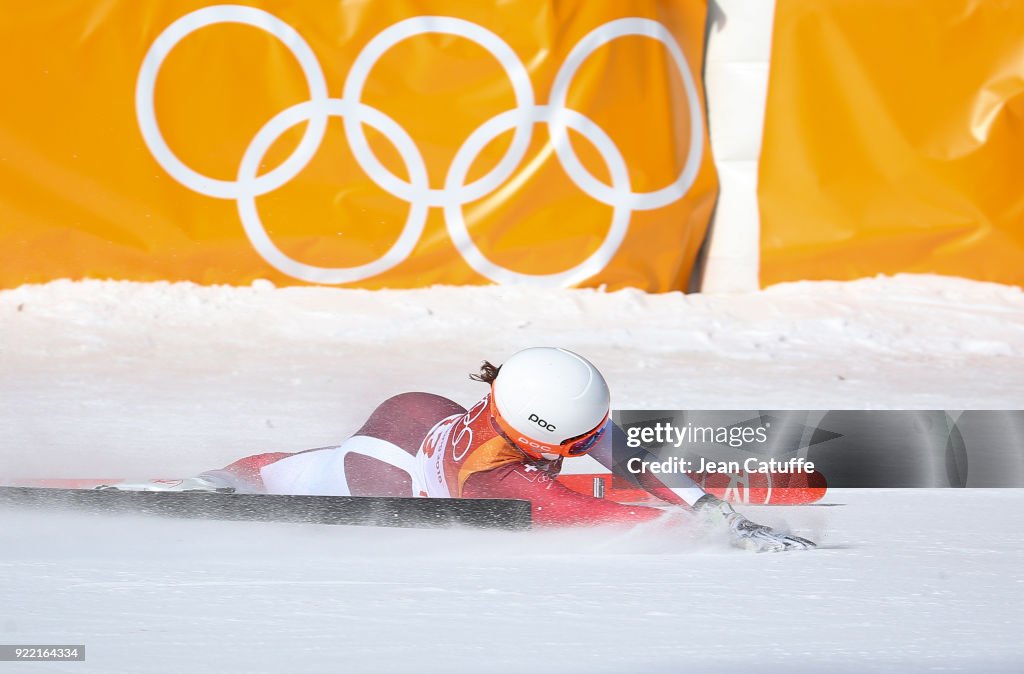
<point x="742" y="532"/>
<point x="553" y="503"/>
<point x="685" y="493"/>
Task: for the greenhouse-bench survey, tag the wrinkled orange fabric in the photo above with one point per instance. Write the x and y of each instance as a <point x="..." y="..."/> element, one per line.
<point x="894" y="141"/>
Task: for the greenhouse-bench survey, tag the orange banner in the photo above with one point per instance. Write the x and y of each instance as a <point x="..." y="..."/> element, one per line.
<point x="373" y="144"/>
<point x="893" y="140"/>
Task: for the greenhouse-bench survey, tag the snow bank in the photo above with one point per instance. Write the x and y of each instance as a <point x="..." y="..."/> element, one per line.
<point x="116" y="377"/>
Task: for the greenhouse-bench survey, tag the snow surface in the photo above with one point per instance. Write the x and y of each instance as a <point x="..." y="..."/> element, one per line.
<point x="105" y="379"/>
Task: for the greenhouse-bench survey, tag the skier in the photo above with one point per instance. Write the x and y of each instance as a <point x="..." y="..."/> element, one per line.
<point x="545" y="405"/>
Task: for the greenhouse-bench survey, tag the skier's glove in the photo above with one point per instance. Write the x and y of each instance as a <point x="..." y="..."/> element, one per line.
<point x="742" y="532"/>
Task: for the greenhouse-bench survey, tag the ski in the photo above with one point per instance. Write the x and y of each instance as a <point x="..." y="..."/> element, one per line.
<point x="337" y="510"/>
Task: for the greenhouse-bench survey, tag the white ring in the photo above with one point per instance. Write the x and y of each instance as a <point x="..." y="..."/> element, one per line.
<point x="560" y="89"/>
<point x="416" y="191"/>
<point x="521" y="87"/>
<point x="146" y="85"/>
<point x="256" y="232"/>
<point x="490" y="130"/>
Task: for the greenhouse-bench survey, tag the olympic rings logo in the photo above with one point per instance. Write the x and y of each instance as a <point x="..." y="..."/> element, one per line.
<point x="416" y="191"/>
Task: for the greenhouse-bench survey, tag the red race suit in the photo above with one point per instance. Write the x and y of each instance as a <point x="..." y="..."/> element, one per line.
<point x="419" y="444"/>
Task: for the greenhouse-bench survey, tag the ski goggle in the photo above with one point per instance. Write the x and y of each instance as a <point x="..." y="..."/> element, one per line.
<point x="578" y="445"/>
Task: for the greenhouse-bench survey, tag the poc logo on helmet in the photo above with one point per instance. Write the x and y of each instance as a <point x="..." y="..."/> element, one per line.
<point x="540" y="422"/>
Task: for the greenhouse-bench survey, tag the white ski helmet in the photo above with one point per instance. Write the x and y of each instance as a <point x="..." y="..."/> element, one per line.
<point x="550" y="402"/>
